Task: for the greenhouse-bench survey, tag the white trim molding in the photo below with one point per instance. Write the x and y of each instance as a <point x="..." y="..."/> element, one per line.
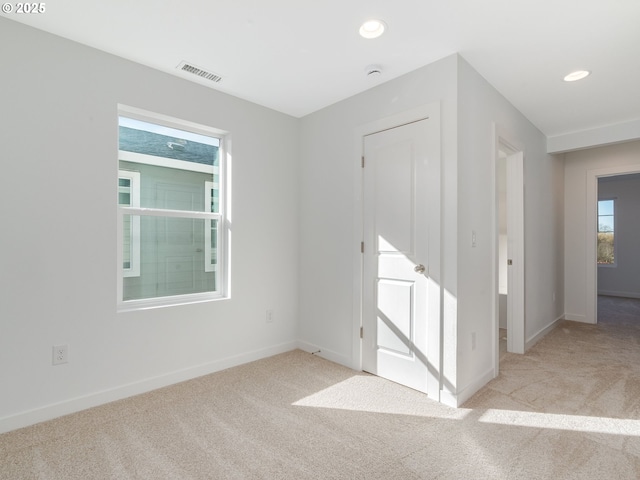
<point x="535" y="338"/>
<point x="73" y="405"/>
<point x="591" y="255"/>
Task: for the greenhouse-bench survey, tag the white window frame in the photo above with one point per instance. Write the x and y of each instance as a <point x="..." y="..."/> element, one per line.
<point x="136" y="211"/>
<point x="615" y="237"/>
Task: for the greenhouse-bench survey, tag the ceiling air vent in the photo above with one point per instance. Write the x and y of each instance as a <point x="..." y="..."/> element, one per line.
<point x="187" y="67"/>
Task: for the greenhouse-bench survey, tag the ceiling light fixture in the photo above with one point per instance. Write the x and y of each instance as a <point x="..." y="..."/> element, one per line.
<point x="372" y="28"/>
<point x="577" y="75"/>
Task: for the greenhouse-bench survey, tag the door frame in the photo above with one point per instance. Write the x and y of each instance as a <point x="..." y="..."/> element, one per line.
<point x="434" y="352"/>
<point x="591" y="248"/>
<point x="515" y="230"/>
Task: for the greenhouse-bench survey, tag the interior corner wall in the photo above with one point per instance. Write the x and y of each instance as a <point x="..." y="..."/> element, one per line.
<point x="58" y="131"/>
<point x="612" y="158"/>
<point x="479" y="107"/>
<point x="328" y="172"/>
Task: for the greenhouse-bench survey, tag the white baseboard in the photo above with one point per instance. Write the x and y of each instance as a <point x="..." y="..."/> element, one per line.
<point x="575" y="317"/>
<point x="619" y="294"/>
<point x="48" y="412"/>
<point x="538" y="336"/>
<point x="326" y="354"/>
<point x="448" y="398"/>
<point x="468" y="392"/>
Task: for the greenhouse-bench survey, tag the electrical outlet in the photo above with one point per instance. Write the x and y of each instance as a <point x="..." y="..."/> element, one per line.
<point x="473" y="341"/>
<point x="269" y="316"/>
<point x="60" y="354"/>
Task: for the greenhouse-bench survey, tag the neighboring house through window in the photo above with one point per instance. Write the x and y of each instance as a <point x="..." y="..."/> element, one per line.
<point x="171" y="220"/>
<point x="129" y="196"/>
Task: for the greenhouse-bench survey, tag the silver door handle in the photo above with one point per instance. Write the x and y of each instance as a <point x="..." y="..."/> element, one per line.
<point x="419" y="268"/>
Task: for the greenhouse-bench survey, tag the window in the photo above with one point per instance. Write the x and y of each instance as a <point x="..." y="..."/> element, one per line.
<point x="171" y="224"/>
<point x="606" y="228"/>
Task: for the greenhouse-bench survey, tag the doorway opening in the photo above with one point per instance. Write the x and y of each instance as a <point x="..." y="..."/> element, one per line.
<point x="618" y="234"/>
<point x="592" y="196"/>
<point x="509" y="248"/>
<point x="503" y="285"/>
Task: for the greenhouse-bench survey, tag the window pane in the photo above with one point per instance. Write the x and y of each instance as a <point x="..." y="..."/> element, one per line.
<point x="605" y="248"/>
<point x="169" y="188"/>
<point x="124" y="191"/>
<point x="127" y="242"/>
<point x="605" y="207"/>
<point x="213" y="246"/>
<point x="172" y="259"/>
<point x="160" y="141"/>
<point x="605" y="223"/>
<point x="215" y="200"/>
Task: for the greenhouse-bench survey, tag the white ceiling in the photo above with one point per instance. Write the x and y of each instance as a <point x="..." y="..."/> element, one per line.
<point x="298" y="56"/>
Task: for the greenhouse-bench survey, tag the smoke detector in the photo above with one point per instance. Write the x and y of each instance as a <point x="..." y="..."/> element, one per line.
<point x="373" y="71"/>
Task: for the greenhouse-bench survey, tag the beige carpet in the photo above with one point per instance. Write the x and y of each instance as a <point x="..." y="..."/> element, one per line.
<point x="568" y="409"/>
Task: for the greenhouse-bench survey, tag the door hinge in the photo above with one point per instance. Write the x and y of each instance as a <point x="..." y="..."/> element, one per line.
<point x="361" y="247"/>
<point x="362" y="164"/>
<point x="361" y="332"/>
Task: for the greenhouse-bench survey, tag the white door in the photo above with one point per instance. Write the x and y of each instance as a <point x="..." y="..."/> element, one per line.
<point x="396" y="251"/>
<point x="515" y="253"/>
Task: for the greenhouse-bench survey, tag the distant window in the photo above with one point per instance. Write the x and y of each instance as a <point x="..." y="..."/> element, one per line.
<point x="606" y="232"/>
<point x="171" y="212"/>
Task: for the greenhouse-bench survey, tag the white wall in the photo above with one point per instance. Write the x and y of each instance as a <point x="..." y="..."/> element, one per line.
<point x="329" y="244"/>
<point x="58" y="132"/>
<point x="293" y="227"/>
<point x="581" y="167"/>
<point x="623" y="280"/>
<point x="479" y="107"/>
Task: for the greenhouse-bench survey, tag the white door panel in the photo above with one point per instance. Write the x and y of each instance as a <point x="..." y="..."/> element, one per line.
<point x="396" y="220"/>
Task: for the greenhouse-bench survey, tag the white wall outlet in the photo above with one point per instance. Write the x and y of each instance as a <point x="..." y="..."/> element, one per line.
<point x="473" y="341"/>
<point x="60" y="354"/>
<point x="473" y="238"/>
<point x="269" y="316"/>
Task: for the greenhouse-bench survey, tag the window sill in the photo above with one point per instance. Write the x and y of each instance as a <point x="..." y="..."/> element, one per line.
<point x="163" y="302"/>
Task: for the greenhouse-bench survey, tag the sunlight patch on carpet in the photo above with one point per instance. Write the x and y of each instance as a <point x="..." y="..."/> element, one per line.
<point x="376" y="395"/>
<point x="574" y="423"/>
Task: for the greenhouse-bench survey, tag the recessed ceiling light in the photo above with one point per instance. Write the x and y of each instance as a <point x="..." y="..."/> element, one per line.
<point x="372" y="28"/>
<point x="577" y="75"/>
